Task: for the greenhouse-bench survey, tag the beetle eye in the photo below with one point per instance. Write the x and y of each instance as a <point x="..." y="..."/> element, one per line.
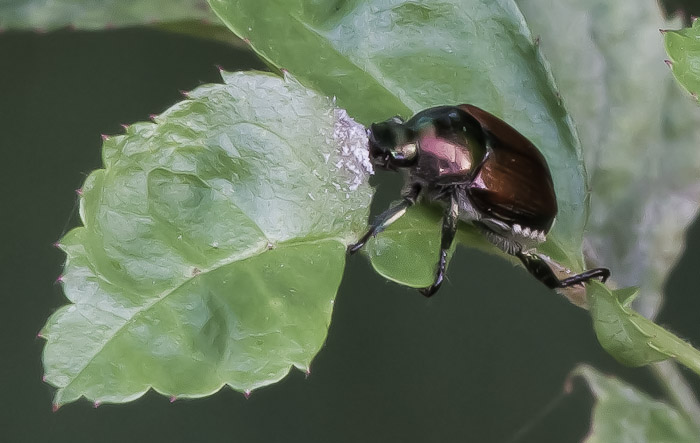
<point x="405" y="152"/>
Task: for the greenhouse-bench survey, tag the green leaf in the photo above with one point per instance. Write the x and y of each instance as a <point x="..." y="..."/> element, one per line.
<point x="639" y="135"/>
<point x="383" y="58"/>
<point x="623" y="414"/>
<point x="683" y="48"/>
<point x="632" y="339"/>
<point x="213" y="245"/>
<point x="101" y="14"/>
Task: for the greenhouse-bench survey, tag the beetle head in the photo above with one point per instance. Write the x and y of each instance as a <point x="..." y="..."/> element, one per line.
<point x="392" y="144"/>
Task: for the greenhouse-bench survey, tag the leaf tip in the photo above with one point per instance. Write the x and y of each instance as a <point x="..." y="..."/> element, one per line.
<point x="153" y="116"/>
<point x="96" y="404"/>
<point x="79" y="191"/>
<point x="663" y="31"/>
<point x="247" y="393"/>
<point x="55" y="407"/>
<point x="172" y="399"/>
<point x="669" y="63"/>
<point x="104" y="137"/>
<point x="60" y="279"/>
<point x="124" y="126"/>
<point x="184" y="93"/>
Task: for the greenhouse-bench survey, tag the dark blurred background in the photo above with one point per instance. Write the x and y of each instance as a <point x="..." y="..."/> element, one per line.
<point x="687" y="9"/>
<point x="478" y="362"/>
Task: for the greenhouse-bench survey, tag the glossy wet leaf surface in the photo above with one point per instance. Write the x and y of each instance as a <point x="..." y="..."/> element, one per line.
<point x="683" y="48"/>
<point x="384" y="58"/>
<point x="624" y="414"/>
<point x="212" y="246"/>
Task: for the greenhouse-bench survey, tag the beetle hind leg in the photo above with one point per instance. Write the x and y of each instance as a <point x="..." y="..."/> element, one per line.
<point x="539" y="268"/>
<point x="535" y="263"/>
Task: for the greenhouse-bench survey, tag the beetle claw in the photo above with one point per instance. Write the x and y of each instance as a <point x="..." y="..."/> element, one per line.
<point x="432" y="289"/>
<point x="353" y="248"/>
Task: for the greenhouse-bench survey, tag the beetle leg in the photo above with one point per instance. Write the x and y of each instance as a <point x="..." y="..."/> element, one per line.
<point x="542" y="272"/>
<point x="388" y="217"/>
<point x="602" y="273"/>
<point x="449" y="229"/>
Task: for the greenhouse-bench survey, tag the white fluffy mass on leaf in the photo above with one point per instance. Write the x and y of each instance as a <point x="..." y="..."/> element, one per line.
<point x="352" y="142"/>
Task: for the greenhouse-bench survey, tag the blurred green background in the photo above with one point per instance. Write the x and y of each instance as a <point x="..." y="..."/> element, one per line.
<point x="477" y="365"/>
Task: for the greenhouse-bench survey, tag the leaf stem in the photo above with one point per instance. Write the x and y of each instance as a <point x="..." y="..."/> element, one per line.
<point x="677" y="389"/>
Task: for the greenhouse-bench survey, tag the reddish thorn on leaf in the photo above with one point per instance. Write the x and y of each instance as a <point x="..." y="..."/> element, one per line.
<point x="669" y="63"/>
<point x="172" y="399"/>
<point x="57" y="245"/>
<point x="124" y="126"/>
<point x="247" y="41"/>
<point x="537" y="40"/>
<point x="105" y="137"/>
<point x="693" y="18"/>
<point x="79" y="191"/>
<point x="153" y="116"/>
<point x="569" y="385"/>
<point x="43" y="378"/>
<point x="219" y="67"/>
<point x="184" y="93"/>
<point x="246" y="394"/>
<point x="97" y="404"/>
<point x="59" y="279"/>
<point x="55" y="407"/>
<point x="663" y="31"/>
<point x="307" y="372"/>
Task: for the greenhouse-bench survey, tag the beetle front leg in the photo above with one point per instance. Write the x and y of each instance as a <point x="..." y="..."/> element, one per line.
<point x="544" y="273"/>
<point x="388" y="217"/>
<point x="449" y="229"/>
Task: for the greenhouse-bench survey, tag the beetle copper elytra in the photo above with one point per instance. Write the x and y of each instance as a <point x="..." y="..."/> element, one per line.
<point x="484" y="172"/>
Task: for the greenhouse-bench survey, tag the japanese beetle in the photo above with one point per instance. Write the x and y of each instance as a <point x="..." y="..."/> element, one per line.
<point x="484" y="172"/>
